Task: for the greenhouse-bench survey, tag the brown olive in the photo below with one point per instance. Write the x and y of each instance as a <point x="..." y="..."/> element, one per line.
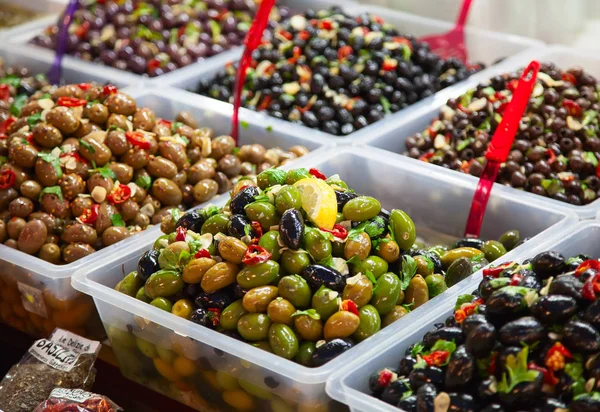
<point x="139" y="194"/>
<point x="194" y="154"/>
<point x="123" y="172"/>
<point x="79" y="233"/>
<point x="187" y="119"/>
<point x="223" y="182"/>
<point x="50" y="252"/>
<point x="97" y="113"/>
<point x="104" y="221"/>
<point x="230" y="165"/>
<point x="76" y="251"/>
<point x="80" y="204"/>
<point x="129" y="209"/>
<point x="160" y="167"/>
<point x="31" y="107"/>
<point x="120" y="103"/>
<point x="160" y="214"/>
<point x="11" y="243"/>
<point x="22" y="154"/>
<point x="341" y="325"/>
<point x="205" y="190"/>
<point x="144" y="119"/>
<point x="85" y="128"/>
<point x="281" y="310"/>
<point x="117" y="142"/>
<point x="359" y="245"/>
<point x="308" y="328"/>
<point x="254" y="153"/>
<point x="136" y="158"/>
<point x="72" y="185"/>
<point x="174" y="152"/>
<point x="299" y="150"/>
<point x="69" y="90"/>
<point x="232" y="249"/>
<point x="188" y="194"/>
<point x="52" y="223"/>
<point x="63" y="119"/>
<point x="31" y="189"/>
<point x="52" y="238"/>
<point x="161" y="129"/>
<point x="32" y="237"/>
<point x="117" y="121"/>
<point x="47" y="172"/>
<point x="257" y="299"/>
<point x="3" y="232"/>
<point x="96" y="179"/>
<point x="221" y="145"/>
<point x="263" y="166"/>
<point x="271" y="156"/>
<point x="52" y="204"/>
<point x="114" y="234"/>
<point x="141" y="220"/>
<point x="94" y="151"/>
<point x="247" y="168"/>
<point x="167" y="192"/>
<point x="20" y="207"/>
<point x="7" y="196"/>
<point x="15" y="226"/>
<point x="202" y="169"/>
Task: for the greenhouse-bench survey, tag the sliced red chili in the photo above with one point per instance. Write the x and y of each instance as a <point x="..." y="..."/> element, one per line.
<point x="338" y="231"/>
<point x="215" y="318"/>
<point x="492" y="365"/>
<point x="165" y="123"/>
<point x="516" y="279"/>
<point x="436" y="358"/>
<point x="266" y="102"/>
<point x="344" y="52"/>
<point x="153" y="64"/>
<point x="30" y="139"/>
<point x="389" y="65"/>
<point x="591" y="287"/>
<point x="568" y="77"/>
<point x="257" y="228"/>
<point x="349" y="306"/>
<point x="119" y="194"/>
<point x="573" y="108"/>
<point x="109" y="89"/>
<point x="138" y="140"/>
<point x="512" y="85"/>
<point x="202" y="253"/>
<point x="560" y="348"/>
<point x="256" y="254"/>
<point x="402" y="40"/>
<point x="286" y="34"/>
<point x="459" y="315"/>
<point x="551" y="156"/>
<point x="82" y="30"/>
<point x="585" y="265"/>
<point x="180" y="234"/>
<point x="6" y="125"/>
<point x="84" y="86"/>
<point x="495" y="271"/>
<point x="326" y="24"/>
<point x="4" y="92"/>
<point x="71" y="102"/>
<point x="90" y="215"/>
<point x="296" y="53"/>
<point x="7" y="179"/>
<point x="466" y="165"/>
<point x="317" y="173"/>
<point x="426" y="157"/>
<point x="385" y="377"/>
<point x="304" y="35"/>
<point x="549" y="377"/>
<point x="500" y="110"/>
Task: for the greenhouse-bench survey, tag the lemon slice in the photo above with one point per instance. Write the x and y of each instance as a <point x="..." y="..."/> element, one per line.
<point x="318" y="201"/>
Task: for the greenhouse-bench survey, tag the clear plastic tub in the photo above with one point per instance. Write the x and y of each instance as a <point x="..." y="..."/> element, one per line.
<point x="437" y="202"/>
<point x="350" y="384"/>
<point x="36" y="296"/>
<point x="21" y="35"/>
<point x="392" y="137"/>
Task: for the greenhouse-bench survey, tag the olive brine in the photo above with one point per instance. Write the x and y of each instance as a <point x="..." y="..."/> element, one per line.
<point x="299" y="265"/>
<point x="527" y="339"/>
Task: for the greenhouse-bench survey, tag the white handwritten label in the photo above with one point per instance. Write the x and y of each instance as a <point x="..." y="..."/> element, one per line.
<point x="54" y="355"/>
<point x="75" y="342"/>
<point x="75" y="395"/>
<point x="32" y="299"/>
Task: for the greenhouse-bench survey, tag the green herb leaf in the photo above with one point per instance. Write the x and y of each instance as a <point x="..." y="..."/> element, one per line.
<point x="34" y="119"/>
<point x="209" y="211"/>
<point x="408" y="306"/>
<point x="244" y="124"/>
<point x="386" y="105"/>
<point x="117" y="220"/>
<point x="485" y="125"/>
<point x="247" y="229"/>
<point x="489" y="91"/>
<point x="406" y="394"/>
<point x="417" y="349"/>
<point x="464" y="144"/>
<point x="590" y="157"/>
<point x="466" y="98"/>
<point x="11" y="80"/>
<point x="328" y="261"/>
<point x="574" y="370"/>
<point x="590" y="116"/>
<point x="51" y="190"/>
<point x="593" y="395"/>
<point x="462" y="299"/>
<point x="409" y="270"/>
<point x="176" y="126"/>
<point x="54" y="161"/>
<point x="516" y="366"/>
<point x="443" y="345"/>
<point x="354" y="261"/>
<point x="310" y="312"/>
<point x="104" y="171"/>
<point x="406" y="52"/>
<point x="46" y="96"/>
<point x="144" y="182"/>
<point x="215" y="28"/>
<point x="167" y="259"/>
<point x="114" y="127"/>
<point x="18" y="103"/>
<point x="176" y="213"/>
<point x="3" y="160"/>
<point x="371" y="277"/>
<point x="552" y="186"/>
<point x="477" y="258"/>
<point x="87" y="146"/>
<point x="184" y="258"/>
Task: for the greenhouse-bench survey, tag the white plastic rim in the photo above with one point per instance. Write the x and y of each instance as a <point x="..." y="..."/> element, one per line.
<point x="362" y="163"/>
<point x="391" y="137"/>
<point x="349" y="384"/>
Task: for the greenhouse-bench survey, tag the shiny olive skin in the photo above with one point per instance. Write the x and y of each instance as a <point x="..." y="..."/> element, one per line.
<point x="130" y="284"/>
<point x="548" y="264"/>
<point x="341" y="325"/>
<point x="359" y="291"/>
<point x="288" y="198"/>
<point x="296" y="290"/>
<point x="370" y="323"/>
<point x="269" y="242"/>
<point x="270" y="177"/>
<point x="240" y="226"/>
<point x="329" y="350"/>
<point x="374" y="264"/>
<point x="216" y="224"/>
<point x="395" y="314"/>
<point x="262" y="212"/>
<point x="294" y="262"/>
<point x="361" y="208"/>
<point x="359" y="245"/>
<point x="262" y="274"/>
<point x="451" y="255"/>
<point x="162" y="303"/>
<point x="254" y="326"/>
<point x="510" y="239"/>
<point x="291" y="228"/>
<point x="163" y="283"/>
<point x="280" y="310"/>
<point x="417" y="292"/>
<point x="232" y="314"/>
<point x="243" y="198"/>
<point x="319" y="275"/>
<point x="326" y="302"/>
<point x="295" y="175"/>
<point x="232" y="249"/>
<point x="435" y="284"/>
<point x="458" y="270"/>
<point x="389" y="250"/>
<point x="308" y="327"/>
<point x="258" y="299"/>
<point x="403" y="229"/>
<point x="386" y="294"/>
<point x="317" y="247"/>
<point x="305" y="352"/>
<point x="283" y="341"/>
<point x="493" y="250"/>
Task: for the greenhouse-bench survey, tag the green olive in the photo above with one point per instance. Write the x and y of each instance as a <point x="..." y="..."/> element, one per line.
<point x="264" y="345"/>
<point x="226" y="381"/>
<point x="326" y="302"/>
<point x="219" y="276"/>
<point x="262" y="212"/>
<point x="370" y="322"/>
<point x="359" y="245"/>
<point x="281" y="310"/>
<point x="147" y="348"/>
<point x="417" y="292"/>
<point x="216" y="224"/>
<point x="451" y="255"/>
<point x="283" y="341"/>
<point x="162" y="303"/>
<point x="305" y="352"/>
<point x="269" y="242"/>
<point x="318" y="247"/>
<point x="424" y="265"/>
<point x="141" y="295"/>
<point x="232" y="249"/>
<point x="288" y="197"/>
<point x="258" y="391"/>
<point x="258" y="299"/>
<point x="386" y="294"/>
<point x="163" y="283"/>
<point x="262" y="274"/>
<point x="435" y="284"/>
<point x="271" y="177"/>
<point x="254" y="326"/>
<point x="296" y="174"/>
<point x="493" y="250"/>
<point x="403" y="229"/>
<point x="359" y="290"/>
<point x="295" y="289"/>
<point x="130" y="284"/>
<point x="388" y="250"/>
<point x="232" y="314"/>
<point x="361" y="208"/>
<point x="339" y="217"/>
<point x="341" y="325"/>
<point x="401" y="297"/>
<point x="460" y="269"/>
<point x="308" y="327"/>
<point x="439" y="250"/>
<point x="337" y="249"/>
<point x="293" y="262"/>
<point x="510" y="239"/>
<point x="394" y="315"/>
<point x="158" y="244"/>
<point x="374" y="264"/>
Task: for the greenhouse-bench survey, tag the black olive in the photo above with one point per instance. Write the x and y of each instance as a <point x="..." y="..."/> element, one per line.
<point x="240" y="226"/>
<point x="531" y="281"/>
<point x="524" y="394"/>
<point x="581" y="337"/>
<point x="394" y="391"/>
<point x="550" y="405"/>
<point x="435" y="259"/>
<point x="425" y="396"/>
<point x="380" y="380"/>
<point x="585" y="403"/>
<point x="243" y="198"/>
<point x="469" y="242"/>
<point x="526" y="329"/>
<point x="329" y="350"/>
<point x="406" y="365"/>
<point x="508" y="301"/>
<point x="490" y="284"/>
<point x="429" y="374"/>
<point x="408" y="404"/>
<point x="318" y="275"/>
<point x="461" y="402"/>
<point x="471" y="322"/>
<point x="566" y="285"/>
<point x="343" y="198"/>
<point x="548" y="264"/>
<point x="219" y="299"/>
<point x="192" y="221"/>
<point x="148" y="264"/>
<point x="460" y="369"/>
<point x="554" y="308"/>
<point x="204" y="317"/>
<point x="487" y="388"/>
<point x="592" y="314"/>
<point x="493" y="407"/>
<point x="445" y="333"/>
<point x="291" y="228"/>
<point x="481" y="340"/>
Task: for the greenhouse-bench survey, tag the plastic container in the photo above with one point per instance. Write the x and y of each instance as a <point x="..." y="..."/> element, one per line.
<point x="393" y="137"/>
<point x="437" y="202"/>
<point x="41" y="7"/>
<point x="21" y="35"/>
<point x="35" y="295"/>
<point x="350" y="384"/>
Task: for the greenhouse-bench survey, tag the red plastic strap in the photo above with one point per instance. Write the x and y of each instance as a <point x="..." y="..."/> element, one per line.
<point x="499" y="148"/>
<point x="252" y="41"/>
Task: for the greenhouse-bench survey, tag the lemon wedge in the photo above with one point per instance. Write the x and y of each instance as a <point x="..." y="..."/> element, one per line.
<point x="318" y="201"/>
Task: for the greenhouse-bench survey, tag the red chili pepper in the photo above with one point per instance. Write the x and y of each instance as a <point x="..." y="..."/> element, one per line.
<point x="551" y="156"/>
<point x="516" y="279"/>
<point x="266" y="102"/>
<point x="377" y="19"/>
<point x="5" y="126"/>
<point x="119" y="194"/>
<point x="180" y="31"/>
<point x="4" y="92"/>
<point x="286" y="34"/>
<point x="317" y="173"/>
<point x="402" y="40"/>
<point x="338" y="231"/>
<point x="573" y="108"/>
<point x="598" y="171"/>
<point x="89" y="216"/>
<point x="426" y="157"/>
<point x="165" y="123"/>
<point x="436" y="358"/>
<point x="256" y="254"/>
<point x="495" y="271"/>
<point x="202" y="253"/>
<point x="216" y="316"/>
<point x="492" y="365"/>
<point x="71" y="102"/>
<point x="180" y="234"/>
<point x="153" y="64"/>
<point x="467" y="309"/>
<point x="306" y="108"/>
<point x="568" y="77"/>
<point x="296" y="53"/>
<point x="344" y="52"/>
<point x="585" y="265"/>
<point x="7" y="178"/>
<point x="304" y="35"/>
<point x="466" y="165"/>
<point x="591" y="287"/>
<point x="459" y="315"/>
<point x="385" y="377"/>
<point x="326" y="24"/>
<point x="109" y="89"/>
<point x="560" y="348"/>
<point x="257" y="228"/>
<point x="30" y="140"/>
<point x="138" y="140"/>
<point x="82" y="30"/>
<point x="549" y="377"/>
<point x="389" y="65"/>
<point x="512" y="85"/>
<point x="84" y="86"/>
<point x="349" y="306"/>
<point x="500" y="110"/>
<point x="74" y="155"/>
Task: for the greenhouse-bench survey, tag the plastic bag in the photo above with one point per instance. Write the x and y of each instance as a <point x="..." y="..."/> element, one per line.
<point x="64" y="360"/>
<point x="76" y="400"/>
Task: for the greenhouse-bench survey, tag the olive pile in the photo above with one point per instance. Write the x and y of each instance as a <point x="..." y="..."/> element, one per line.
<point x="527" y="339"/>
<point x="557" y="147"/>
<point x="157" y="36"/>
<point x="338" y="73"/>
<point x="298" y="265"/>
<point x="12" y="16"/>
<point x="83" y="167"/>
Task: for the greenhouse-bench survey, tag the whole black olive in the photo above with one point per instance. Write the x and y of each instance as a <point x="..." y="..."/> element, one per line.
<point x="446" y="333"/>
<point x="291" y="228"/>
<point x="489" y="284"/>
<point x="329" y="350"/>
<point x="471" y="322"/>
<point x="531" y="281"/>
<point x="554" y="308"/>
<point x="318" y="275"/>
<point x="429" y="374"/>
<point x="460" y="369"/>
<point x="493" y="407"/>
<point x="548" y="264"/>
<point x="148" y="264"/>
<point x="240" y="226"/>
<point x="481" y="340"/>
<point x="205" y="317"/>
<point x="461" y="402"/>
<point x="581" y="337"/>
<point x="585" y="403"/>
<point x="524" y="394"/>
<point x="425" y="396"/>
<point x="192" y="221"/>
<point x="487" y="388"/>
<point x="566" y="285"/>
<point x="435" y="259"/>
<point x="469" y="242"/>
<point x="408" y="404"/>
<point x="592" y="314"/>
<point x="219" y="299"/>
<point x="508" y="301"/>
<point x="380" y="380"/>
<point x="526" y="329"/>
<point x="394" y="391"/>
<point x="243" y="198"/>
<point x="343" y="198"/>
<point x="406" y="365"/>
